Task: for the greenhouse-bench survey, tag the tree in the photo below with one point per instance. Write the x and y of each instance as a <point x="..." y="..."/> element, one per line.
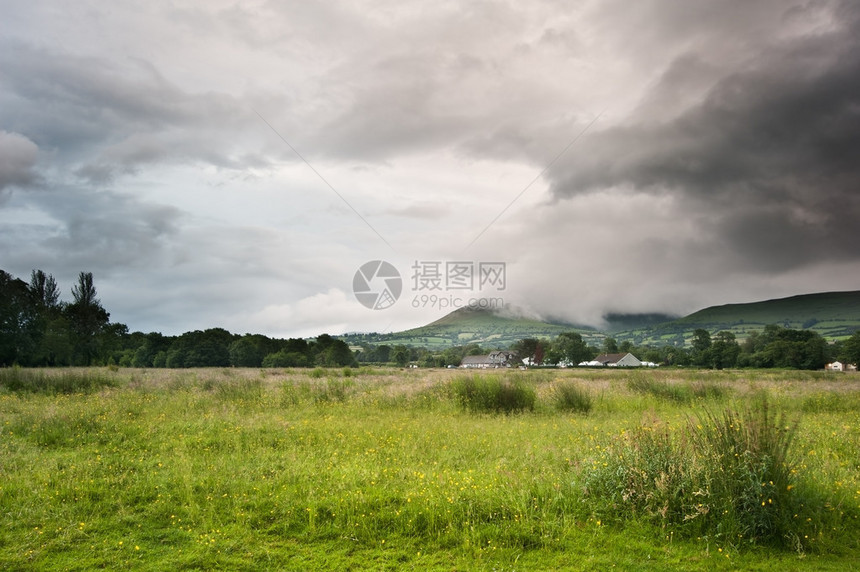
<point x="851" y="349"/>
<point x="332" y="352"/>
<point x="245" y="352"/>
<point x="18" y="321"/>
<point x="528" y="349"/>
<point x="702" y="348"/>
<point x="87" y="319"/>
<point x="571" y="349"/>
<point x="400" y="355"/>
<point x="45" y="290"/>
<point x="610" y="346"/>
<point x="724" y="350"/>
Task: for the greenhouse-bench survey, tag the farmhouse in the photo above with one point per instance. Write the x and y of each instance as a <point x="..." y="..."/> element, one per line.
<point x="839" y="366"/>
<point x="491" y="360"/>
<point x="615" y="360"/>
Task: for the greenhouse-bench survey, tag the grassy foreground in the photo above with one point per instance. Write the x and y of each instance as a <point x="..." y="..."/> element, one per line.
<point x="389" y="470"/>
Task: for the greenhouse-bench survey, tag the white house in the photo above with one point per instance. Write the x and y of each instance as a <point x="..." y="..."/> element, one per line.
<point x="839" y="366"/>
<point x="491" y="360"/>
<point x="616" y="360"/>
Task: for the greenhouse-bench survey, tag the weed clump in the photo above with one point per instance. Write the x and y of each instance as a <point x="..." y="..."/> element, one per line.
<point x="569" y="396"/>
<point x="728" y="476"/>
<point x="493" y="394"/>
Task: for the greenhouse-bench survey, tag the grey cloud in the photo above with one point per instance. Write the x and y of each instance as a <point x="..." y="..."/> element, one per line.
<point x="114" y="116"/>
<point x="93" y="230"/>
<point x="770" y="152"/>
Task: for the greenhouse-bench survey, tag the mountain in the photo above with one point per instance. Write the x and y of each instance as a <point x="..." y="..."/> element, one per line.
<point x="834" y="315"/>
<point x="474" y="325"/>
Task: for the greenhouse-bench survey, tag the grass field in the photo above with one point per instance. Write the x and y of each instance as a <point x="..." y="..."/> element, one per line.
<point x="409" y="469"/>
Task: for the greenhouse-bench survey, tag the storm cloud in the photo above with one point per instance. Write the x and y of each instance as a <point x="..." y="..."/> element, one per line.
<point x="657" y="156"/>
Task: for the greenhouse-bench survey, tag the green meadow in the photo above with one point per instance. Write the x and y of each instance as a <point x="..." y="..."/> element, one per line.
<point x="386" y="469"/>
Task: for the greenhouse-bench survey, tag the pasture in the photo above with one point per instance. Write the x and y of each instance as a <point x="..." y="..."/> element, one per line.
<point x="386" y="469"/>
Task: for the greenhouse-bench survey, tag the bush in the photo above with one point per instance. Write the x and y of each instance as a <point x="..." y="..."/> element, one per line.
<point x="729" y="476"/>
<point x="748" y="469"/>
<point x="493" y="394"/>
<point x="570" y="396"/>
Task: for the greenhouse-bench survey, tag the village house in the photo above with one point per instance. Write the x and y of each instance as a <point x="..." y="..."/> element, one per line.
<point x="491" y="360"/>
<point x="614" y="360"/>
<point x="839" y="366"/>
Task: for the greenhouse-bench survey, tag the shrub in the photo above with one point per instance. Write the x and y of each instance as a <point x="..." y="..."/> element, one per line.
<point x="569" y="396"/>
<point x="729" y="476"/>
<point x="748" y="469"/>
<point x="493" y="394"/>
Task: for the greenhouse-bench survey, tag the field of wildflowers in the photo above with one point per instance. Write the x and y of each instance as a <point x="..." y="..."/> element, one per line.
<point x="393" y="469"/>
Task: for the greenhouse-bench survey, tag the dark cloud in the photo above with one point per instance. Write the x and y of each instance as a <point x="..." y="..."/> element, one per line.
<point x="769" y="153"/>
<point x="93" y="230"/>
<point x="113" y="116"/>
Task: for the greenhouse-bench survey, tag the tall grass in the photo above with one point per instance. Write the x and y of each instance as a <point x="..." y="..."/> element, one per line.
<point x="493" y="393"/>
<point x="727" y="475"/>
<point x="18" y="379"/>
<point x="677" y="392"/>
<point x="571" y="396"/>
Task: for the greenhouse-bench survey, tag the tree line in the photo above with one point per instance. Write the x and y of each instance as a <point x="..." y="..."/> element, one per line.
<point x="37" y="328"/>
<point x="773" y="347"/>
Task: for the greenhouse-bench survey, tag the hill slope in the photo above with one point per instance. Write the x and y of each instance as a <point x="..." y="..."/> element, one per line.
<point x="834" y="315"/>
<point x="484" y="327"/>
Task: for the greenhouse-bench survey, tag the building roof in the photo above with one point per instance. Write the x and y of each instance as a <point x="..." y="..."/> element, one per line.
<point x="475" y="359"/>
<point x="609" y="358"/>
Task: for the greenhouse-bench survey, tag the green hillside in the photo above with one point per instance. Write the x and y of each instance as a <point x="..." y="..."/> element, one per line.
<point x="834" y="315"/>
<point x="467" y="326"/>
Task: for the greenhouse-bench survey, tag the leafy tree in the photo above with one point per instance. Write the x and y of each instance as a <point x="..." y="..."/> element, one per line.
<point x="87" y="320"/>
<point x="285" y="358"/>
<point x="18" y="321"/>
<point x="153" y="344"/>
<point x="45" y="290"/>
<point x="383" y="353"/>
<point x="702" y="348"/>
<point x="332" y="352"/>
<point x="571" y="349"/>
<point x="850" y="351"/>
<point x="400" y="355"/>
<point x="249" y="350"/>
<point x="776" y="346"/>
<point x="528" y="349"/>
<point x="724" y="350"/>
<point x="610" y="345"/>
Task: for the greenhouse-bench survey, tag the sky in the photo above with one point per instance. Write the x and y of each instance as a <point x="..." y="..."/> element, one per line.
<point x="234" y="164"/>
